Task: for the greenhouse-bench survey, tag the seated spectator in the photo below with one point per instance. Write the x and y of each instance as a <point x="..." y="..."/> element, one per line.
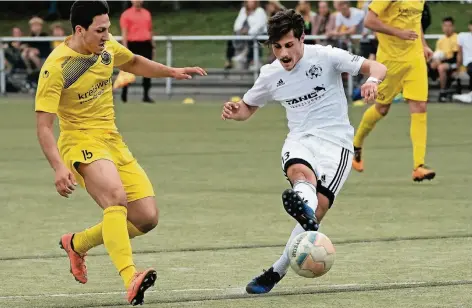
<point x="57" y="30"/>
<point x="304" y="9"/>
<point x="251" y="21"/>
<point x="15" y="53"/>
<point x="444" y="60"/>
<point x="43" y="48"/>
<point x="349" y="21"/>
<point x="464" y="57"/>
<point x="324" y="23"/>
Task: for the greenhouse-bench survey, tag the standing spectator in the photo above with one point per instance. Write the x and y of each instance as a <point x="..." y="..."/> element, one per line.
<point x="272" y="7"/>
<point x="304" y="9"/>
<point x="350" y="20"/>
<point x="57" y="30"/>
<point x="368" y="45"/>
<point x="444" y="58"/>
<point x="251" y="21"/>
<point x="324" y="23"/>
<point x="43" y="48"/>
<point x="136" y="31"/>
<point x="464" y="57"/>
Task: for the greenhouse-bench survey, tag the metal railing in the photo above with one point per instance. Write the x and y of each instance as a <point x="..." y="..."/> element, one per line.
<point x="169" y="48"/>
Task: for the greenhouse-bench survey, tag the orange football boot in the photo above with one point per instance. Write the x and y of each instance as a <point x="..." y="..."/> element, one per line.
<point x="357" y="162"/>
<point x="139" y="284"/>
<point x="423" y="173"/>
<point x="77" y="261"/>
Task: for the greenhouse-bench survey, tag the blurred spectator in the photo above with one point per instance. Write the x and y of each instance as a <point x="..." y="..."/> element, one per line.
<point x="349" y="21"/>
<point x="41" y="49"/>
<point x="15" y="53"/>
<point x="368" y="46"/>
<point x="136" y="30"/>
<point x="304" y="9"/>
<point x="444" y="58"/>
<point x="464" y="58"/>
<point x="272" y="7"/>
<point x="324" y="23"/>
<point x="57" y="30"/>
<point x="251" y="21"/>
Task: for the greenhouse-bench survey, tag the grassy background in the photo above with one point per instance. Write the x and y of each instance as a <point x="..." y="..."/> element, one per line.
<point x="218" y="186"/>
<point x="220" y="22"/>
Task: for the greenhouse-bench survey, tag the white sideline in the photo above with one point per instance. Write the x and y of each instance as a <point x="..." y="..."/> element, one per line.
<point x="240" y="291"/>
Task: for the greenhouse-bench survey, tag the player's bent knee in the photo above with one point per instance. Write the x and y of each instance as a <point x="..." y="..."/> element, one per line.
<point x="149" y="224"/>
<point x="116" y="196"/>
<point x="300" y="172"/>
<point x="417" y="107"/>
<point x="382" y="108"/>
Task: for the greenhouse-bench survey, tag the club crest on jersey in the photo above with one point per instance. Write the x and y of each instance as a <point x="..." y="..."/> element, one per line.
<point x="106" y="58"/>
<point x="314" y="71"/>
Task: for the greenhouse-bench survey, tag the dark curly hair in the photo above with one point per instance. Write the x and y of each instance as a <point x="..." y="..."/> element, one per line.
<point x="282" y="23"/>
<point x="82" y="12"/>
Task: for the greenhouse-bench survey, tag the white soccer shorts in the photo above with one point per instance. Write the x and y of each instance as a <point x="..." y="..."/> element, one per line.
<point x="330" y="162"/>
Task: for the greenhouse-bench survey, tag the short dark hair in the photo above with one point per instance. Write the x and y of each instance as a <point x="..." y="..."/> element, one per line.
<point x="282" y="23"/>
<point x="82" y="12"/>
<point x="449" y="18"/>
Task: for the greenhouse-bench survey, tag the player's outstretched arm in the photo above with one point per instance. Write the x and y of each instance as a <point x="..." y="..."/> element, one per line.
<point x="65" y="181"/>
<point x="239" y="111"/>
<point x="373" y="22"/>
<point x="147" y="68"/>
<point x="376" y="72"/>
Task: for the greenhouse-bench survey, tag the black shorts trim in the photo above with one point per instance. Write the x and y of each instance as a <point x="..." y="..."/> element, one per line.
<point x="325" y="192"/>
<point x="294" y="161"/>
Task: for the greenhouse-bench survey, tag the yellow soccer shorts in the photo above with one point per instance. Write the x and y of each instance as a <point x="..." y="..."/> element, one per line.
<point x="88" y="146"/>
<point x="410" y="78"/>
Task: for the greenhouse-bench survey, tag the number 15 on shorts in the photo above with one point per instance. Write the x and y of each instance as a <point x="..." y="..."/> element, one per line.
<point x="87" y="154"/>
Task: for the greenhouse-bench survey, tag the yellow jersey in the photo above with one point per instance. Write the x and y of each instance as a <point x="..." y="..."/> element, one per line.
<point x="448" y="45"/>
<point x="405" y="15"/>
<point x="78" y="88"/>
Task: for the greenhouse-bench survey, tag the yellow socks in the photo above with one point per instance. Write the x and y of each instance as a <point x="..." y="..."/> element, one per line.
<point x="92" y="237"/>
<point x="117" y="242"/>
<point x="369" y="119"/>
<point x="418" y="132"/>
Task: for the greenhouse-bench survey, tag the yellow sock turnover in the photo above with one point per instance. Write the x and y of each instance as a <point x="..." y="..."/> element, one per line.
<point x="418" y="134"/>
<point x="92" y="237"/>
<point x="369" y="119"/>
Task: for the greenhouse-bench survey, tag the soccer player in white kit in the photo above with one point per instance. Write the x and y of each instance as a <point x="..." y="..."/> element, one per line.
<point x="318" y="150"/>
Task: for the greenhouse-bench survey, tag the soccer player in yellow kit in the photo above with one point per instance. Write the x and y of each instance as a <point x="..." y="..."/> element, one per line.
<point x="403" y="50"/>
<point x="75" y="84"/>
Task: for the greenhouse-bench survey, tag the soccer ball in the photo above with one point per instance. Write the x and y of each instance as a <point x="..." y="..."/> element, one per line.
<point x="311" y="254"/>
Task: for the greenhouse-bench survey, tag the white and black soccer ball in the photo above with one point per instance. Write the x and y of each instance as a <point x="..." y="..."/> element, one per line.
<point x="311" y="254"/>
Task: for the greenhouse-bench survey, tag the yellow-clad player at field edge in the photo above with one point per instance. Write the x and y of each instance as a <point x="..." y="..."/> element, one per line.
<point x="76" y="85"/>
<point x="403" y="50"/>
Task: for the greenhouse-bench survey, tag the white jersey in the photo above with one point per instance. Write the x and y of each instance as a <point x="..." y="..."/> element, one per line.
<point x="312" y="93"/>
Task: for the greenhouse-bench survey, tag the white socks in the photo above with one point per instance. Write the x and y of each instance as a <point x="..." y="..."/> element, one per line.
<point x="307" y="192"/>
<point x="282" y="264"/>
